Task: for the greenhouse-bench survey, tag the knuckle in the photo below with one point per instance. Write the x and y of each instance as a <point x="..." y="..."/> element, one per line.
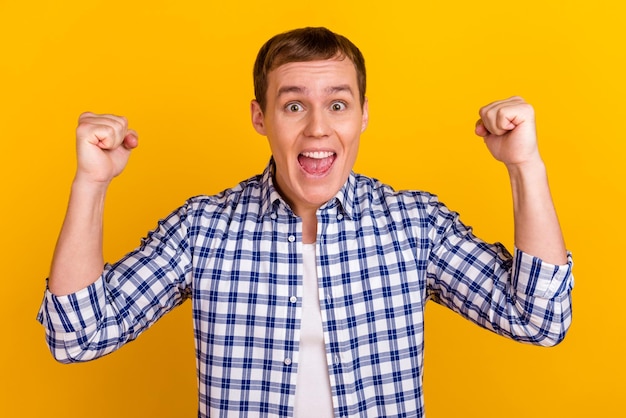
<point x="105" y="132"/>
<point x="122" y="121"/>
<point x="85" y="115"/>
<point x="81" y="130"/>
<point x="529" y="108"/>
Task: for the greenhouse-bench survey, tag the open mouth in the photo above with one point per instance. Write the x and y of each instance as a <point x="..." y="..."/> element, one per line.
<point x="317" y="163"/>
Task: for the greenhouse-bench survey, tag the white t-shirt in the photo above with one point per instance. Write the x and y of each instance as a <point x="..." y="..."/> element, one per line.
<point x="313" y="393"/>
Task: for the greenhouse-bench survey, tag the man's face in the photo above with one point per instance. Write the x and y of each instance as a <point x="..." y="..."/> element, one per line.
<point x="313" y="121"/>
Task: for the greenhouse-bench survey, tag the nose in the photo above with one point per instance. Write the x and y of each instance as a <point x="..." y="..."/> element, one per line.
<point x="317" y="124"/>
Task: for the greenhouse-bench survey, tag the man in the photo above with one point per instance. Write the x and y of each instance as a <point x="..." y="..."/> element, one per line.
<point x="309" y="282"/>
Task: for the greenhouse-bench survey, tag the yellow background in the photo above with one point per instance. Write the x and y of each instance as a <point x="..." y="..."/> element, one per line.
<point x="181" y="72"/>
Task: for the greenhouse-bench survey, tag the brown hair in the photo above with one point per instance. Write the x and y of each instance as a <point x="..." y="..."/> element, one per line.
<point x="300" y="45"/>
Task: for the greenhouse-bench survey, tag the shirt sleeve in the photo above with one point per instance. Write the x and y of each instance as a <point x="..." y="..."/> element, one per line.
<point x="128" y="298"/>
<point x="518" y="296"/>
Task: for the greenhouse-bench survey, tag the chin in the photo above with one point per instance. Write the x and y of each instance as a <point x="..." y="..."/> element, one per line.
<point x="322" y="195"/>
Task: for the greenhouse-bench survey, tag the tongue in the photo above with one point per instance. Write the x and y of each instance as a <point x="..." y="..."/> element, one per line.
<point x="316" y="165"/>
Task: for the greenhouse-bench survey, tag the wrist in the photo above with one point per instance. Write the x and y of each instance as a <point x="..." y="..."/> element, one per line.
<point x="527" y="169"/>
<point x="84" y="185"/>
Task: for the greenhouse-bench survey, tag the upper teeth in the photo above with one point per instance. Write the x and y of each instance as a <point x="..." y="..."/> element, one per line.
<point x="318" y="154"/>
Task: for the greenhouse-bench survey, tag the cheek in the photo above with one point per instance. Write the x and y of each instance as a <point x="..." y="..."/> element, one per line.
<point x="351" y="135"/>
<point x="281" y="152"/>
<point x="282" y="132"/>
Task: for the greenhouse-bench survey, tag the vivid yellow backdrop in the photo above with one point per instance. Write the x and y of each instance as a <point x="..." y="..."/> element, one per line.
<point x="181" y="72"/>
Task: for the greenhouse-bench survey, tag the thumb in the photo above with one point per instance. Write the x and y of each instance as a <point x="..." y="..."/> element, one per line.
<point x="131" y="139"/>
<point x="480" y="129"/>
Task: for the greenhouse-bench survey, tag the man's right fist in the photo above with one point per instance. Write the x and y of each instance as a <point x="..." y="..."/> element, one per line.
<point x="103" y="146"/>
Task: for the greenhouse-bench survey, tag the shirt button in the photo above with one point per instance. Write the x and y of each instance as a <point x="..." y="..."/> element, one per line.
<point x="337" y="359"/>
<point x="339" y="216"/>
<point x="287" y="361"/>
<point x="291" y="238"/>
<point x="273" y="216"/>
<point x="293" y="299"/>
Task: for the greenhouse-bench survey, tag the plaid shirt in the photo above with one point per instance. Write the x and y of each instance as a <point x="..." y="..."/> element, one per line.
<point x="381" y="255"/>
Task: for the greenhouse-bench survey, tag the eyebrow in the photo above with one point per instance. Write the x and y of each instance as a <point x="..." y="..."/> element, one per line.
<point x="302" y="90"/>
<point x="290" y="89"/>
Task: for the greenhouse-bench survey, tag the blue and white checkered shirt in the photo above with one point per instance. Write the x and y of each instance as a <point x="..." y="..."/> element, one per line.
<point x="381" y="255"/>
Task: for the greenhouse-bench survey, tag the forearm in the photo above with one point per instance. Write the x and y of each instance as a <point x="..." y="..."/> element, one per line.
<point x="78" y="259"/>
<point x="109" y="305"/>
<point x="517" y="296"/>
<point x="537" y="229"/>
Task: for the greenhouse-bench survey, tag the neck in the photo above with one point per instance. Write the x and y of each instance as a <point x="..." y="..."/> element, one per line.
<point x="309" y="228"/>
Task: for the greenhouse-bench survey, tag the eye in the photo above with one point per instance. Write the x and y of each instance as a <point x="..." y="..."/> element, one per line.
<point x="338" y="106"/>
<point x="294" y="107"/>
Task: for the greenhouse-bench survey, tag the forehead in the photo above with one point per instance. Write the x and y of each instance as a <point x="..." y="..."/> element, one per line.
<point x="314" y="74"/>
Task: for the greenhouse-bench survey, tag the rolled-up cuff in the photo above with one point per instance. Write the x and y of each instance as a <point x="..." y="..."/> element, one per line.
<point x="535" y="277"/>
<point x="73" y="312"/>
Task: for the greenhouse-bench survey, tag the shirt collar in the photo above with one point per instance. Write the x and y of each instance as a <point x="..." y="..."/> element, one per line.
<point x="344" y="199"/>
<point x="271" y="200"/>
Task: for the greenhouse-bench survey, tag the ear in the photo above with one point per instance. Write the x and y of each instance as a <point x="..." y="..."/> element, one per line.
<point x="365" y="119"/>
<point x="258" y="119"/>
